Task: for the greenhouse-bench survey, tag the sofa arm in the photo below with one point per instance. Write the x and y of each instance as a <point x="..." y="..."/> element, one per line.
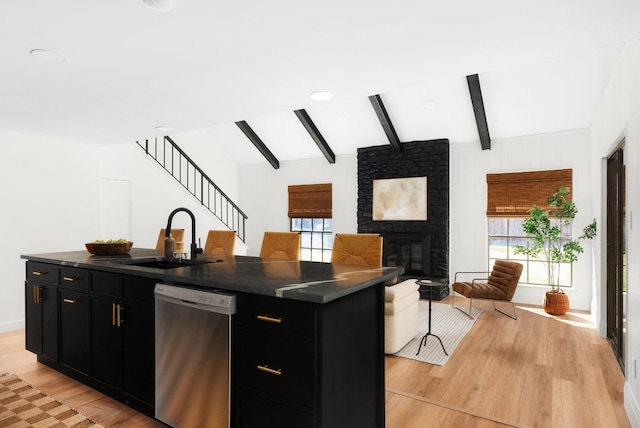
<point x="400" y="290"/>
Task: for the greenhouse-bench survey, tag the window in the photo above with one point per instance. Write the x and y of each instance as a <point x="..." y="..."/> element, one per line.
<point x="509" y="198"/>
<point x="316" y="238"/>
<point x="310" y="211"/>
<point x="505" y="233"/>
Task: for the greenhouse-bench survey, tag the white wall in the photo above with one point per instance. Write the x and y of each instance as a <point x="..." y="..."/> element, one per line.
<point x="264" y="194"/>
<point x="48" y="202"/>
<point x="154" y="194"/>
<point x="469" y="165"/>
<point x="618" y="116"/>
<point x="212" y="158"/>
<point x="56" y="196"/>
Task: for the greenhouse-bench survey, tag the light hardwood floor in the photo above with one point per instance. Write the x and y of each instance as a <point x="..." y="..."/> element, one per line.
<point x="538" y="371"/>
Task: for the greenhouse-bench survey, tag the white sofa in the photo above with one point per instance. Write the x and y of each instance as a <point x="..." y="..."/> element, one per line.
<point x="400" y="314"/>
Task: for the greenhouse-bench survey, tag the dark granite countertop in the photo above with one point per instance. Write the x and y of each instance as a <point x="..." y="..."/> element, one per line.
<point x="297" y="280"/>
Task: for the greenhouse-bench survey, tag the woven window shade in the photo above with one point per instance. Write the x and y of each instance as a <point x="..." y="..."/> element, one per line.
<point x="514" y="194"/>
<point x="310" y="201"/>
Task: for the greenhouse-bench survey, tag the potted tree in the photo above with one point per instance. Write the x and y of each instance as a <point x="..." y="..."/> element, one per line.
<point x="545" y="227"/>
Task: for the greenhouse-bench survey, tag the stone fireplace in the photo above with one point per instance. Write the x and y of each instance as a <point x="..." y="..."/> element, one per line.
<point x="420" y="246"/>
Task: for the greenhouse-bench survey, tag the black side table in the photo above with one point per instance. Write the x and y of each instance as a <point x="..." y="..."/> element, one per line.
<point x="430" y="285"/>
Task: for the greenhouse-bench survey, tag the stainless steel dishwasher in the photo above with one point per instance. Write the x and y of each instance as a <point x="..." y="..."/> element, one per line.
<point x="193" y="356"/>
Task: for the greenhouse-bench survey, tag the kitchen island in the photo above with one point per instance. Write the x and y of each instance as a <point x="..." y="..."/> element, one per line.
<point x="91" y="317"/>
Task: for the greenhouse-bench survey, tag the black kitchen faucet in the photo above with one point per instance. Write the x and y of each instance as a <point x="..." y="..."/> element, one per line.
<point x="194" y="247"/>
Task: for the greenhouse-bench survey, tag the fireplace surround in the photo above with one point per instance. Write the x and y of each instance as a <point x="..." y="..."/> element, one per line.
<point x="412" y="251"/>
<point x="415" y="159"/>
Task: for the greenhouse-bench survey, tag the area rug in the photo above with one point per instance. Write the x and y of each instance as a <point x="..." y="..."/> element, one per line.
<point x="23" y="406"/>
<point x="448" y="323"/>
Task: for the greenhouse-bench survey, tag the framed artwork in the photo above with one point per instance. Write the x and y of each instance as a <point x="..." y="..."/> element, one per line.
<point x="400" y="199"/>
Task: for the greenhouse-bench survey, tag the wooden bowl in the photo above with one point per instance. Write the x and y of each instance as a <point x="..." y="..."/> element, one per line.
<point x="111" y="249"/>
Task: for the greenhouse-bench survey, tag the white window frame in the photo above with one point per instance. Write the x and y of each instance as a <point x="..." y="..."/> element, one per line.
<point x="316" y="238"/>
<point x="501" y="242"/>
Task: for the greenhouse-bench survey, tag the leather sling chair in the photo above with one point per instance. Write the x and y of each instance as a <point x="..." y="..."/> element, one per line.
<point x="500" y="285"/>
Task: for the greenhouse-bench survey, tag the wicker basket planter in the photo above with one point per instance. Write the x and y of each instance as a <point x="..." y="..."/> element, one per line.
<point x="555" y="303"/>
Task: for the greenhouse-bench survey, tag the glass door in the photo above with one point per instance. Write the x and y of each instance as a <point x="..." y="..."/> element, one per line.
<point x="616" y="254"/>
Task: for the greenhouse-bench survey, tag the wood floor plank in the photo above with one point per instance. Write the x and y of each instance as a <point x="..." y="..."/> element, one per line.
<point x="537" y="371"/>
<point x="104" y="410"/>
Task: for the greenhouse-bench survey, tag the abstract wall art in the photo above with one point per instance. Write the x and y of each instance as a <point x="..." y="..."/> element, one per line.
<point x="400" y="199"/>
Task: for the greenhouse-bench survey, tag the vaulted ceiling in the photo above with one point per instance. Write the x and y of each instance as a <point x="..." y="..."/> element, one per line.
<point x="205" y="64"/>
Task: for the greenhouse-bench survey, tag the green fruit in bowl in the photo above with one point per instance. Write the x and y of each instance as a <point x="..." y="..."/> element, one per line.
<point x="111" y="241"/>
<point x="109" y="247"/>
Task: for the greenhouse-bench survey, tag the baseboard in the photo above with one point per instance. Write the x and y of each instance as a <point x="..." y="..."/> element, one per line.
<point x="631" y="406"/>
<point x="11" y="326"/>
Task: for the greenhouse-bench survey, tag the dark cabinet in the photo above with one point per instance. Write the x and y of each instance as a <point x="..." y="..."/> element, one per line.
<point x="122" y="331"/>
<point x="139" y="354"/>
<point x="262" y="412"/>
<point x="294" y="363"/>
<point x="74" y="330"/>
<point x="41" y="309"/>
<point x="97" y="327"/>
<point x="73" y="319"/>
<point x="106" y="343"/>
<point x="276" y="367"/>
<point x="300" y="364"/>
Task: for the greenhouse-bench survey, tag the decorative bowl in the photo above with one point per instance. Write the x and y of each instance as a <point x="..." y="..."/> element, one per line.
<point x="108" y="249"/>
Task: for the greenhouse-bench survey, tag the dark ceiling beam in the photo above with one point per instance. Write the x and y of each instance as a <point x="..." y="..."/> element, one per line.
<point x="478" y="109"/>
<point x="316" y="135"/>
<point x="251" y="135"/>
<point x="385" y="121"/>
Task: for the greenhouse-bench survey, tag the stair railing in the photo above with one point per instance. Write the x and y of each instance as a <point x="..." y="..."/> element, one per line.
<point x="184" y="170"/>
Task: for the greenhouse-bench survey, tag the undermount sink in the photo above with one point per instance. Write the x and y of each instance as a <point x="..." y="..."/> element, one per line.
<point x="164" y="263"/>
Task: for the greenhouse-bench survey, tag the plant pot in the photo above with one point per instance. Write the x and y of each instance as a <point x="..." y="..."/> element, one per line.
<point x="555" y="303"/>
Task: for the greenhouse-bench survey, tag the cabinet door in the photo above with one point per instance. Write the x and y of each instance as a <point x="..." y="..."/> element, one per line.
<point x="74" y="330"/>
<point x="106" y="341"/>
<point x="139" y="352"/>
<point x="278" y="366"/>
<point x="33" y="318"/>
<point x="41" y="310"/>
<point x="259" y="412"/>
<point x="49" y="303"/>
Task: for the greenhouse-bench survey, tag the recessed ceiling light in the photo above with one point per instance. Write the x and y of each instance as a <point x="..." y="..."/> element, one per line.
<point x="164" y="128"/>
<point x="320" y="96"/>
<point x="430" y="104"/>
<point x="159" y="5"/>
<point x="48" y="56"/>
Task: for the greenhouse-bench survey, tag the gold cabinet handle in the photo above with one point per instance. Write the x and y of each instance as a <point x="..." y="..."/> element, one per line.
<point x="267" y="318"/>
<point x="267" y="369"/>
<point x="69" y="278"/>
<point x="119" y="319"/>
<point x="116" y="315"/>
<point x="37" y="273"/>
<point x="37" y="294"/>
<point x="72" y="301"/>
